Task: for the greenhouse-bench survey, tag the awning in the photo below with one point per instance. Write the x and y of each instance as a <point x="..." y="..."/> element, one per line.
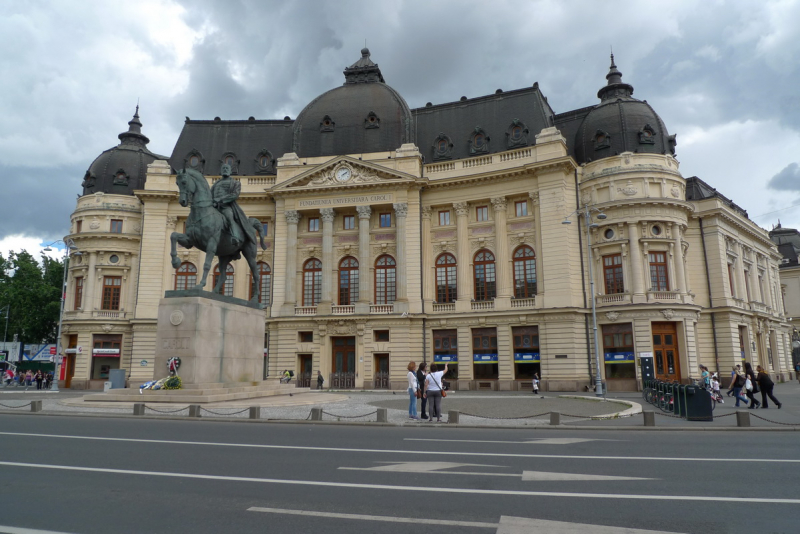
<point x="106" y="353"/>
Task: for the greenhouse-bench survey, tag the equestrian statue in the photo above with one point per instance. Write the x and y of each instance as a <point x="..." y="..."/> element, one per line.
<point x="217" y="226"/>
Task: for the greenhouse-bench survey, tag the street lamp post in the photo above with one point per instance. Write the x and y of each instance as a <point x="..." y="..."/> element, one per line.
<point x="587" y="216"/>
<point x="70" y="247"/>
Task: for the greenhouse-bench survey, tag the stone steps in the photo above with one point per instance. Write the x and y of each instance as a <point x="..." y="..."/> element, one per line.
<point x="199" y="393"/>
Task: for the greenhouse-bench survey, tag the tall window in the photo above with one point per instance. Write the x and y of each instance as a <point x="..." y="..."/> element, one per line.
<point x="658" y="271"/>
<point x="78" y="226"/>
<point x="485" y="281"/>
<point x="484" y="353"/>
<point x="312" y="282"/>
<point x="265" y="282"/>
<point x="265" y="227"/>
<point x="349" y="222"/>
<point x="116" y="226"/>
<point x="444" y="218"/>
<point x="482" y="213"/>
<point x="186" y="276"/>
<point x="445" y="350"/>
<point x="612" y="273"/>
<point x="313" y="224"/>
<point x="730" y="279"/>
<point x="446" y="289"/>
<point x="386" y="220"/>
<point x="747" y="284"/>
<point x="112" y="288"/>
<point x="524" y="272"/>
<point x="521" y="208"/>
<point x="227" y="289"/>
<point x="348" y="281"/>
<point x="385" y="287"/>
<point x="78" y="292"/>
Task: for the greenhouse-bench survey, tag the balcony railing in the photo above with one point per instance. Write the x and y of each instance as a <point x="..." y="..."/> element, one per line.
<point x="653" y="296"/>
<point x="108" y="314"/>
<point x="444" y="306"/>
<point x="305" y="310"/>
<point x="613" y="298"/>
<point x="482" y="305"/>
<point x="381" y="309"/>
<point x="524" y="303"/>
<point x="759" y="307"/>
<point x="739" y="303"/>
<point x="343" y="310"/>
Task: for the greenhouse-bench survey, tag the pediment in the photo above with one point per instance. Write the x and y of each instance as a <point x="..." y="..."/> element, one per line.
<point x="342" y="172"/>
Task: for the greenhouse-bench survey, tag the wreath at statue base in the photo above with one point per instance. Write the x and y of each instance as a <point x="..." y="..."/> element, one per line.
<point x="173" y="381"/>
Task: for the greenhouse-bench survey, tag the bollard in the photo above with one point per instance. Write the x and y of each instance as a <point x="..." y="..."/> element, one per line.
<point x="138" y="408"/>
<point x="452" y="417"/>
<point x="316" y="414"/>
<point x="649" y="418"/>
<point x="255" y="412"/>
<point x="194" y="410"/>
<point x="742" y="418"/>
<point x="383" y="416"/>
<point x="36" y="406"/>
<point x="555" y="418"/>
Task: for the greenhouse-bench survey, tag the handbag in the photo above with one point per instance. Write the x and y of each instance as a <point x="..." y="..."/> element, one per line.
<point x="748" y="385"/>
<point x="444" y="393"/>
<point x="418" y="393"/>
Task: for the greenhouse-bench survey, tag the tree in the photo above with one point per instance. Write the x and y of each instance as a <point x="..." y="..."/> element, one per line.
<point x="32" y="290"/>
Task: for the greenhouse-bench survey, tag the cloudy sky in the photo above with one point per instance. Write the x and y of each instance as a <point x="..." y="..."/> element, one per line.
<point x="723" y="75"/>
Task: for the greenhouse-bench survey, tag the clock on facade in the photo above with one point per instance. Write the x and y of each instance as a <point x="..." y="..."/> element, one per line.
<point x="343" y="174"/>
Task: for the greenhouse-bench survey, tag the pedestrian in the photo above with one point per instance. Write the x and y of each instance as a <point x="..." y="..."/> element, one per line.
<point x="320" y="380"/>
<point x="48" y="380"/>
<point x="737" y="383"/>
<point x="715" y="388"/>
<point x="535" y="383"/>
<point x="433" y="391"/>
<point x="39" y="377"/>
<point x="28" y="377"/>
<point x="705" y="376"/>
<point x="422" y="372"/>
<point x="413" y="386"/>
<point x="797" y="371"/>
<point x="766" y="384"/>
<point x="734" y="374"/>
<point x="9" y="376"/>
<point x="753" y="389"/>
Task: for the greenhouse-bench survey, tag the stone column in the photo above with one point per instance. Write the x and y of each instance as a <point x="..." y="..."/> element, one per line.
<point x="463" y="257"/>
<point x="427" y="264"/>
<point x="740" y="274"/>
<point x="292" y="218"/>
<point x="364" y="293"/>
<point x="637" y="289"/>
<point x="677" y="255"/>
<point x="503" y="258"/>
<point x="401" y="211"/>
<point x="327" y="261"/>
<point x="88" y="303"/>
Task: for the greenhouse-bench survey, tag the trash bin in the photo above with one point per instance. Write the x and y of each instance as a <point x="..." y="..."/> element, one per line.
<point x="107" y="385"/>
<point x="680" y="400"/>
<point x="698" y="404"/>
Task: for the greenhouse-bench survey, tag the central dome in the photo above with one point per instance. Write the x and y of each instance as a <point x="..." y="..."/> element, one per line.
<point x="364" y="115"/>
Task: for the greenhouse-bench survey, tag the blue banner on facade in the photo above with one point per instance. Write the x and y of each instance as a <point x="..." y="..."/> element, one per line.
<point x="526" y="357"/>
<point x="445" y="358"/>
<point x="619" y="357"/>
<point x="484" y="358"/>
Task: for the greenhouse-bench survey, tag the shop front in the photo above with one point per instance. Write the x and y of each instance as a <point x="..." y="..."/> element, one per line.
<point x="619" y="357"/>
<point x="106" y="355"/>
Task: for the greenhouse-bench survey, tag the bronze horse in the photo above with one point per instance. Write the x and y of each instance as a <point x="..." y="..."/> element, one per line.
<point x="205" y="230"/>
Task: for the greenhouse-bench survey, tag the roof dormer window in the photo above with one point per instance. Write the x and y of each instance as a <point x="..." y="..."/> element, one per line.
<point x="265" y="163"/>
<point x="601" y="140"/>
<point x="327" y="124"/>
<point x="647" y="135"/>
<point x="479" y="142"/>
<point x="517" y="134"/>
<point x="442" y="147"/>
<point x="229" y="158"/>
<point x="372" y="121"/>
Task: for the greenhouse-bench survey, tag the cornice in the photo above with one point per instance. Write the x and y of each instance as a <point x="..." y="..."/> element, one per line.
<point x="156" y="194"/>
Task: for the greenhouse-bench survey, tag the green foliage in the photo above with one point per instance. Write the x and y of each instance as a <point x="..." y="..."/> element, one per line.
<point x="32" y="293"/>
<point x="173" y="382"/>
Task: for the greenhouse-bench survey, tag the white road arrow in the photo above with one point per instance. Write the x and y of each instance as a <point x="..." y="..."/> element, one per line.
<point x="524" y="525"/>
<point x="545" y="476"/>
<point x="538" y="441"/>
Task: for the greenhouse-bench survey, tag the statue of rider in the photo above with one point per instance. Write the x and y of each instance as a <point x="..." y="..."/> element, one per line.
<point x="224" y="194"/>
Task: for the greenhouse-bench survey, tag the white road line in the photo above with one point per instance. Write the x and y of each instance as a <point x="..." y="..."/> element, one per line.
<point x="525" y="476"/>
<point x="540" y="441"/>
<point x="546" y="476"/>
<point x="438" y="472"/>
<point x="524" y="525"/>
<point x="437" y="489"/>
<point x="18" y="530"/>
<point x="391" y="451"/>
<point x="383" y="518"/>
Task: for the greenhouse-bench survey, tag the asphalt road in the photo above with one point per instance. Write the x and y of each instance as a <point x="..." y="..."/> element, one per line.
<point x="106" y="475"/>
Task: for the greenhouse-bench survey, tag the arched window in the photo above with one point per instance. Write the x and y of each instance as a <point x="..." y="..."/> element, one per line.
<point x="348" y="281"/>
<point x="186" y="276"/>
<point x="446" y="289"/>
<point x="264" y="274"/>
<point x="385" y="287"/>
<point x="312" y="282"/>
<point x="524" y="272"/>
<point x="227" y="289"/>
<point x="485" y="281"/>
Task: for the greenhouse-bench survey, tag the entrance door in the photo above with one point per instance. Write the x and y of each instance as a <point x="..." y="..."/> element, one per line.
<point x="69" y="370"/>
<point x="665" y="348"/>
<point x="381" y="371"/>
<point x="304" y="380"/>
<point x="344" y="362"/>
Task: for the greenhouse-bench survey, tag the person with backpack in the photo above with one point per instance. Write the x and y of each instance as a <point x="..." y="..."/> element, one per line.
<point x="766" y="384"/>
<point x="737" y="384"/>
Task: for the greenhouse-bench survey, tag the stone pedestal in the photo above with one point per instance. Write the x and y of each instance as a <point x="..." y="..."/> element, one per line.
<point x="218" y="339"/>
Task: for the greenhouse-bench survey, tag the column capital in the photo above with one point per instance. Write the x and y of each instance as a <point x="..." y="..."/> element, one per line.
<point x="364" y="212"/>
<point x="401" y="209"/>
<point x="462" y="209"/>
<point x="499" y="203"/>
<point x="534" y="197"/>
<point x="292" y="216"/>
<point x="426" y="212"/>
<point x="327" y="214"/>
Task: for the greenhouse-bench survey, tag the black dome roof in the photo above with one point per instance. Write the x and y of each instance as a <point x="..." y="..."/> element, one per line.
<point x="364" y="115"/>
<point x="621" y="123"/>
<point x="122" y="169"/>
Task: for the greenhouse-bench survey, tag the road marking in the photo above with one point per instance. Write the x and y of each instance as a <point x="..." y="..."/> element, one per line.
<point x="391" y="451"/>
<point x="546" y="476"/>
<point x="416" y="467"/>
<point x="383" y="518"/>
<point x="540" y="441"/>
<point x="429" y="489"/>
<point x="18" y="530"/>
<point x="524" y="525"/>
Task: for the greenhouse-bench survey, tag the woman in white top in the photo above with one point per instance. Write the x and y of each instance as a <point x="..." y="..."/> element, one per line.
<point x="433" y="392"/>
<point x="412" y="391"/>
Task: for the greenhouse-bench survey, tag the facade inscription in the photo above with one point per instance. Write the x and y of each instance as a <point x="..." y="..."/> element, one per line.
<point x="341" y="201"/>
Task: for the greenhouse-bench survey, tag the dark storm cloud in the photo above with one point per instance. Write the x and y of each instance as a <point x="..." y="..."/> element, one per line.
<point x="786" y="180"/>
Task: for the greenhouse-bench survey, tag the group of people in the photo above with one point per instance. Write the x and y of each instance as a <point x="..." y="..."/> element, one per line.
<point x="43" y="380"/>
<point x="427" y="385"/>
<point x="751" y="383"/>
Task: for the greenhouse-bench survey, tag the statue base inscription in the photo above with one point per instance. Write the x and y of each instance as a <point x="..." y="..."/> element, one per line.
<point x="217" y="341"/>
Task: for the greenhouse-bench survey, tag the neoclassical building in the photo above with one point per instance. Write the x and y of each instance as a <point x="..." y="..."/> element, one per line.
<point x="437" y="234"/>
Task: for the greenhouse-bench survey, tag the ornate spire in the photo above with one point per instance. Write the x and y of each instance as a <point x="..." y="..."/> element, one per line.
<point x="614" y="88"/>
<point x="363" y="70"/>
<point x="134" y="135"/>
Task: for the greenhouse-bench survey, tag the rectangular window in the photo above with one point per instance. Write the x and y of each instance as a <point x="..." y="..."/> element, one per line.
<point x="306" y="337"/>
<point x="265" y="228"/>
<point x="482" y="213"/>
<point x="659" y="280"/>
<point x="313" y="224"/>
<point x="445" y="351"/>
<point x="526" y="351"/>
<point x="78" y="226"/>
<point x="116" y="226"/>
<point x="522" y="208"/>
<point x="386" y="220"/>
<point x="618" y="351"/>
<point x="484" y="353"/>
<point x="381" y="335"/>
<point x="349" y="222"/>
<point x="78" y="292"/>
<point x="612" y="273"/>
<point x="112" y="288"/>
<point x="444" y="218"/>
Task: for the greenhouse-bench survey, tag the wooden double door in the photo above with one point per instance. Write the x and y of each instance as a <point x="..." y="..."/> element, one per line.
<point x="665" y="350"/>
